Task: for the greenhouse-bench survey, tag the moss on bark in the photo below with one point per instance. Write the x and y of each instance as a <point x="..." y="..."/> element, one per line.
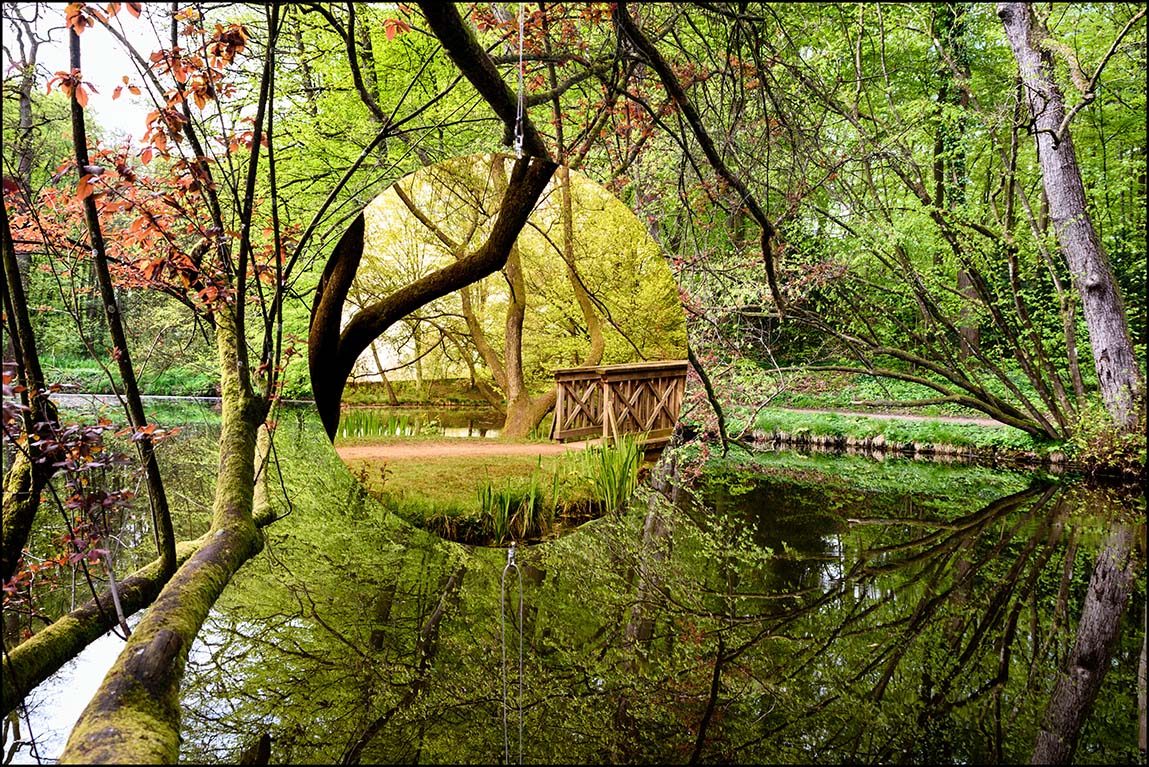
<point x="134" y="717"/>
<point x="21" y="498"/>
<point x="34" y="660"/>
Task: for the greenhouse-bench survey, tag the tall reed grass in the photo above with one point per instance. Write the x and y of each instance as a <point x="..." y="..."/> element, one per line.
<point x="367" y="423"/>
<point x="613" y="470"/>
<point x="517" y="510"/>
<point x="581" y="485"/>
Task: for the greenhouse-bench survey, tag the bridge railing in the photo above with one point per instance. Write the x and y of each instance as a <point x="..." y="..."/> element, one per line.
<point x="610" y="400"/>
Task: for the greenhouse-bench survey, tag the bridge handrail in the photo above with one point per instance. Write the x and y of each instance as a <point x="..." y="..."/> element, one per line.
<point x="628" y="398"/>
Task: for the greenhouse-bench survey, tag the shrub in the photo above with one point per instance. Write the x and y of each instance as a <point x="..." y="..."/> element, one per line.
<point x="1097" y="442"/>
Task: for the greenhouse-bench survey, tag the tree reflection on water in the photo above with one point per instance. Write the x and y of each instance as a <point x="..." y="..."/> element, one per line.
<point x="785" y="617"/>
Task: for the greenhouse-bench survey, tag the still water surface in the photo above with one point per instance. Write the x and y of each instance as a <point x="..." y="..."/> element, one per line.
<point x="793" y="609"/>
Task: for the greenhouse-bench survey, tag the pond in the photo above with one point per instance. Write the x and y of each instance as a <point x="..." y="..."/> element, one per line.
<point x="373" y="422"/>
<point x="787" y="609"/>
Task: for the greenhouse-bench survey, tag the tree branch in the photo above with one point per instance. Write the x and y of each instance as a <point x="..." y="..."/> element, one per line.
<point x="1091" y="89"/>
<point x="478" y="67"/>
<point x="670" y="82"/>
<point x="333" y="353"/>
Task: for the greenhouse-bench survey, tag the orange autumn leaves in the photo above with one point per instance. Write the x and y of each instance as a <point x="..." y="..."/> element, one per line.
<point x="160" y="234"/>
<point x="196" y="73"/>
<point x="78" y="17"/>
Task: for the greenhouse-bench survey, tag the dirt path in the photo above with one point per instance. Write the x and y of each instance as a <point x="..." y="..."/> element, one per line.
<point x="451" y="448"/>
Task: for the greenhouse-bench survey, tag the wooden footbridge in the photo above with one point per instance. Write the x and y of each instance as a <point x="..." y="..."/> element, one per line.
<point x="610" y="400"/>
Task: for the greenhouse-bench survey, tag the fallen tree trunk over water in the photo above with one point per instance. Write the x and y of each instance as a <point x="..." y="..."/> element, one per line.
<point x="31" y="662"/>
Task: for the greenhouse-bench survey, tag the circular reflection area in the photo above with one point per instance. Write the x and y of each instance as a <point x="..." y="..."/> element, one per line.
<point x="523" y="404"/>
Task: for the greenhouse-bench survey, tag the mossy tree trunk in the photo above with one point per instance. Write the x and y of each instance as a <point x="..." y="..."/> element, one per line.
<point x="32" y="661"/>
<point x="35" y="659"/>
<point x="27" y="475"/>
<point x="134" y="716"/>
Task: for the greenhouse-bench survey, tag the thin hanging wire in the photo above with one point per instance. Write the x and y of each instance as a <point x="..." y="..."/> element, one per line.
<point x="503" y="641"/>
<point x="519" y="110"/>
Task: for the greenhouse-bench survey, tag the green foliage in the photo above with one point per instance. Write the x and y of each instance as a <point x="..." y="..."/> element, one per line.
<point x="879" y="236"/>
<point x="439" y="391"/>
<point x="50" y="140"/>
<point x="812" y="567"/>
<point x="518" y="497"/>
<point x="83" y="374"/>
<point x="931" y="432"/>
<point x="849" y="606"/>
<point x="812" y="387"/>
<point x="613" y="470"/>
<point x="296" y="380"/>
<point x="1097" y="443"/>
<point x="833" y="484"/>
<point x="542" y="432"/>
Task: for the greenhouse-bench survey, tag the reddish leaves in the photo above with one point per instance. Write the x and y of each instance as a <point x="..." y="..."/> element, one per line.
<point x="77" y="450"/>
<point x="71" y="83"/>
<point x="392" y="27"/>
<point x="163" y="125"/>
<point x="85" y="187"/>
<point x="79" y="16"/>
<point x="226" y="44"/>
<point x="170" y="61"/>
<point x="151" y="431"/>
<point x="133" y="89"/>
<point x="76" y="16"/>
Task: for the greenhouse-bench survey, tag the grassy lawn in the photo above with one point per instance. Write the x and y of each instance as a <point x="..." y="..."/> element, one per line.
<point x="490" y="498"/>
<point x="450" y="482"/>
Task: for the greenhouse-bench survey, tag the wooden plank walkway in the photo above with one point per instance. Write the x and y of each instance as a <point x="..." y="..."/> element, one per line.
<point x="610" y="400"/>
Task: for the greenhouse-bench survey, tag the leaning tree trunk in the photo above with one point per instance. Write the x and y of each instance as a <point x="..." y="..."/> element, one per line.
<point x="1103" y="308"/>
<point x="134" y="716"/>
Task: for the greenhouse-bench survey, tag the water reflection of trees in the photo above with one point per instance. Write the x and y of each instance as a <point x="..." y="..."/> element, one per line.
<point x="937" y="644"/>
<point x="888" y="635"/>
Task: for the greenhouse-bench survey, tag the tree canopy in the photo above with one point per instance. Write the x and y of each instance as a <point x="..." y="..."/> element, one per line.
<point x="949" y="197"/>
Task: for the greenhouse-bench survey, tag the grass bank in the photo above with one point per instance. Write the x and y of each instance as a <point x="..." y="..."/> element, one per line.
<point x="81" y="374"/>
<point x="890" y="430"/>
<point x="493" y="499"/>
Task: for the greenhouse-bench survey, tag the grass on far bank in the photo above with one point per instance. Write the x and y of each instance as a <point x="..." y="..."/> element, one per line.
<point x="78" y="374"/>
<point x="929" y="431"/>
